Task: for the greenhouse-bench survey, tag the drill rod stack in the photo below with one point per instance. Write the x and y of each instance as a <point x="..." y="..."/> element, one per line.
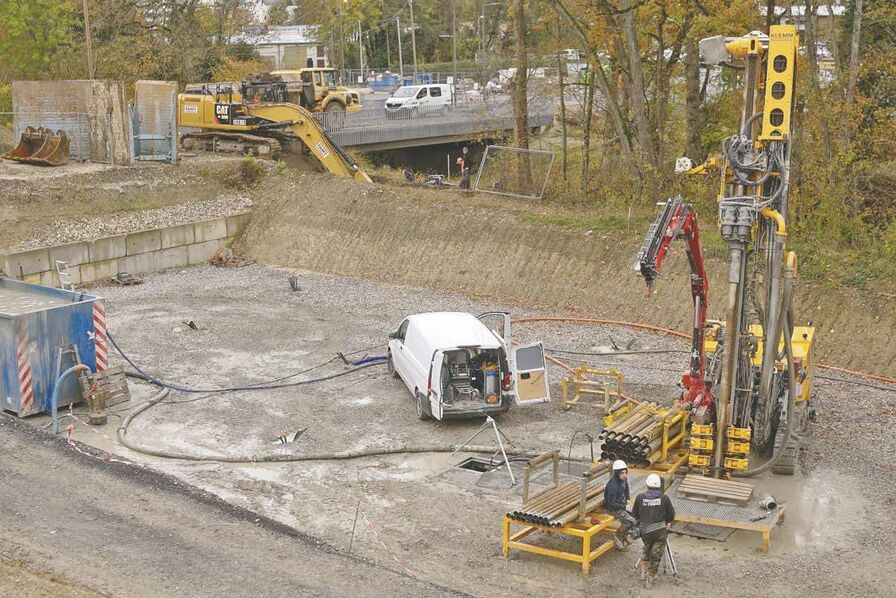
<point x="645" y="436"/>
<point x="564" y="503"/>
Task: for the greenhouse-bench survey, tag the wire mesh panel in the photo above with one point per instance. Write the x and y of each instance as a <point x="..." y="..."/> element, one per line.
<point x="155" y="115"/>
<point x="515" y="172"/>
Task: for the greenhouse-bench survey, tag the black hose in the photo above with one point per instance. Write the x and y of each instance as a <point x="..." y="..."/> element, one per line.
<point x="263" y="386"/>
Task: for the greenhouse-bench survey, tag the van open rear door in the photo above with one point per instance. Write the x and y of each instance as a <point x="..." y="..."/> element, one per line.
<point x="530" y="375"/>
<point x="498" y="322"/>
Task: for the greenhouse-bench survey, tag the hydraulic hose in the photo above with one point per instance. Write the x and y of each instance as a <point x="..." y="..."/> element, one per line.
<point x="281" y="457"/>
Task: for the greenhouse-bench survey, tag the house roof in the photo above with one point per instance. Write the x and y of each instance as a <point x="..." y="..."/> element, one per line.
<point x="280" y="35"/>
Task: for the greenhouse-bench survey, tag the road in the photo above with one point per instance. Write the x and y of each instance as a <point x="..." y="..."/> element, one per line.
<point x="76" y="525"/>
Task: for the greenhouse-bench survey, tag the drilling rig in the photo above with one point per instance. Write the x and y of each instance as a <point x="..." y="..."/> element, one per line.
<point x="750" y="377"/>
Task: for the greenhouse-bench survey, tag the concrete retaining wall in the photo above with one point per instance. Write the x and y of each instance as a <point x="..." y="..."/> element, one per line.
<point x="138" y="252"/>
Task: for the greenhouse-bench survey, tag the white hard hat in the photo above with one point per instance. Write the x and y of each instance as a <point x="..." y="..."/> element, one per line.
<point x="653" y="481"/>
<point x="619" y="464"/>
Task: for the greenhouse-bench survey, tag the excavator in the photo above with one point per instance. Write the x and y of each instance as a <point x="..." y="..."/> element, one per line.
<point x="258" y="119"/>
<point x="749" y="383"/>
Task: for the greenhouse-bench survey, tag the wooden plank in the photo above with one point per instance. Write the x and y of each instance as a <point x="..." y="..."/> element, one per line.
<point x="702" y="488"/>
<point x="695" y="479"/>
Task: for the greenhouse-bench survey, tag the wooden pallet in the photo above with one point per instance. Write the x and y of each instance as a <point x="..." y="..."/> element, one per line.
<point x="695" y="487"/>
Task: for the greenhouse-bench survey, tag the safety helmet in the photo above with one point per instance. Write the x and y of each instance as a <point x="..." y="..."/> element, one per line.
<point x="653" y="481"/>
<point x="619" y="465"/>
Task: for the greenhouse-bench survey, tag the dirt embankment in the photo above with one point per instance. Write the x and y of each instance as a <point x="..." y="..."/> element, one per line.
<point x="482" y="247"/>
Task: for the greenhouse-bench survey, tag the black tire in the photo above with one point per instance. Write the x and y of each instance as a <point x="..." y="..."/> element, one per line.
<point x="421" y="409"/>
<point x="390" y="365"/>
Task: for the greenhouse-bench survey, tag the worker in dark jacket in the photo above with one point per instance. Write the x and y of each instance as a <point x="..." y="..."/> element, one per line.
<point x="616" y="497"/>
<point x="654" y="511"/>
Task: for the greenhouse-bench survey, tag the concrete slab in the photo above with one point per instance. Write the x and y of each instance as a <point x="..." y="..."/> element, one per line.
<point x="73" y="254"/>
<point x="108" y="248"/>
<point x="27" y="262"/>
<point x="142" y="263"/>
<point x="199" y="253"/>
<point x="209" y="230"/>
<point x="175" y="236"/>
<point x="99" y="270"/>
<point x="144" y="241"/>
<point x="236" y="223"/>
<point x="175" y="257"/>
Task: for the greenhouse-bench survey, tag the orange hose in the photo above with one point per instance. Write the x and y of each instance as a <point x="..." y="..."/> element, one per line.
<point x="676" y="333"/>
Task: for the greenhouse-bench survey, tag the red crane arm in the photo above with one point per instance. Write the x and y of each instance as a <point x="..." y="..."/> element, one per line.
<point x="679" y="219"/>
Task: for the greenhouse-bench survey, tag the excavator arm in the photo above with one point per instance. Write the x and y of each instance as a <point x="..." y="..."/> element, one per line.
<point x="312" y="134"/>
<point x="678" y="219"/>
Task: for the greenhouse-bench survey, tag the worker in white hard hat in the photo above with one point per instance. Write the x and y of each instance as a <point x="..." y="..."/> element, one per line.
<point x="654" y="512"/>
<point x="616" y="497"/>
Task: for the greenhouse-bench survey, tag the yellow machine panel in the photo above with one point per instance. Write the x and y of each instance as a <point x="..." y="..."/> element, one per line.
<point x="779" y="84"/>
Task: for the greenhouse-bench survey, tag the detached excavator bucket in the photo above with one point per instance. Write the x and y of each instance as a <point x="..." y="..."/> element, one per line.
<point x="42" y="147"/>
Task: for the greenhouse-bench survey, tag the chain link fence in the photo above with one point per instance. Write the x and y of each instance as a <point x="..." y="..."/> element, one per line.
<point x="514" y="172"/>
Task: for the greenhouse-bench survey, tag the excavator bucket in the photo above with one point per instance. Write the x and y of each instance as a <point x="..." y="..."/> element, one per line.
<point x="42" y="147"/>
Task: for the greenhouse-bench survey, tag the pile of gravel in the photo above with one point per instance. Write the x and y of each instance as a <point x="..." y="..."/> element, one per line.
<point x="88" y="228"/>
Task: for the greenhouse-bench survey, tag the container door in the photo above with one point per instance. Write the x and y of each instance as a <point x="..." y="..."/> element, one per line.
<point x="435" y="384"/>
<point x="498" y="322"/>
<point x="530" y="375"/>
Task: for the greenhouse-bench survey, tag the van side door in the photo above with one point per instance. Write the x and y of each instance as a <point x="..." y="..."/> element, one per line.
<point x="434" y="393"/>
<point x="530" y="375"/>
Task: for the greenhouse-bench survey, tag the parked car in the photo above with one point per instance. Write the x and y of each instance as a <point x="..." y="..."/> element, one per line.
<point x="458" y="365"/>
<point x="416" y="100"/>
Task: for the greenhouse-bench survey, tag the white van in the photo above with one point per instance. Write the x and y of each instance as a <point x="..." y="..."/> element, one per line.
<point x="415" y="100"/>
<point x="458" y="365"/>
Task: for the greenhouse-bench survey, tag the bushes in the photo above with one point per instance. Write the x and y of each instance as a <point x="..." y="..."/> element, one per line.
<point x="244" y="175"/>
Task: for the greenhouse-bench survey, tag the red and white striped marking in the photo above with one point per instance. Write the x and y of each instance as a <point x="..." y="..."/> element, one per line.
<point x="26" y="388"/>
<point x="99" y="335"/>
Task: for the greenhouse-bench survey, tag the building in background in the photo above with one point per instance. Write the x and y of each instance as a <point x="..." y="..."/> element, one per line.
<point x="287" y="46"/>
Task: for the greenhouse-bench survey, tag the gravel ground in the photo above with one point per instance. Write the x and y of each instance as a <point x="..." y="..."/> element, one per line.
<point x="89" y="228"/>
<point x="421" y="514"/>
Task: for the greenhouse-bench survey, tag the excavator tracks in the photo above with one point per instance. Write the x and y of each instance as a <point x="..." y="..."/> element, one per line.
<point x="238" y="143"/>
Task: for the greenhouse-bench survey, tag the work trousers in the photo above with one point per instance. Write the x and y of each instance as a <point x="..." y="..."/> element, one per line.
<point x="652" y="554"/>
<point x="626" y="522"/>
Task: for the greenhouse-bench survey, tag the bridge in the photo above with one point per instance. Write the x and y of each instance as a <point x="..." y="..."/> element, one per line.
<point x="372" y="129"/>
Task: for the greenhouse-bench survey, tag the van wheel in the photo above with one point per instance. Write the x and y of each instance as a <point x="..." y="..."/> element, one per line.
<point x="390" y="365"/>
<point x="421" y="410"/>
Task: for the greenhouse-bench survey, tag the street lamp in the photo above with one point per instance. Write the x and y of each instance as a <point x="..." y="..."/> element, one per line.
<point x="454" y="53"/>
<point x="482" y="27"/>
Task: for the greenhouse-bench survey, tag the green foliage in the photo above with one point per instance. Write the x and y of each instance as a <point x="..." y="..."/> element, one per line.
<point x="244" y="175"/>
<point x="34" y="34"/>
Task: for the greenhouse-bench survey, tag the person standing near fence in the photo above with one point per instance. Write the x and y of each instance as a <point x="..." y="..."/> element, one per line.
<point x="464" y="165"/>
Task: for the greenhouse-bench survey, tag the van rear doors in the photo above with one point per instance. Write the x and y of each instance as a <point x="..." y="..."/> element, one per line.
<point x="530" y="376"/>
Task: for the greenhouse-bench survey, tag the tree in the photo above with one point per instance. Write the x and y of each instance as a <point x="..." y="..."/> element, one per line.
<point x="34" y="34"/>
<point x="520" y="100"/>
<point x="854" y="52"/>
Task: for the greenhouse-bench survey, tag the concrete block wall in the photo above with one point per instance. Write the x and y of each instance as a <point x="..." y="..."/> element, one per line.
<point x="138" y="252"/>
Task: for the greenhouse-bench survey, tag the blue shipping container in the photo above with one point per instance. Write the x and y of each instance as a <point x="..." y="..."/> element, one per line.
<point x="35" y="322"/>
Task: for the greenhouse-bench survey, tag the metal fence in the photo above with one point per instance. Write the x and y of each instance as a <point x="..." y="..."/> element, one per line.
<point x="514" y="172"/>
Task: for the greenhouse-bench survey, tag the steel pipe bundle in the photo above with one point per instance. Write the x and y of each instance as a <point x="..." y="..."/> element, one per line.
<point x="559" y="506"/>
<point x="638" y="438"/>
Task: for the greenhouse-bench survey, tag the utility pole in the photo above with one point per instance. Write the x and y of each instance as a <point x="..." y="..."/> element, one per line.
<point x="454" y="47"/>
<point x="413" y="38"/>
<point x="400" y="61"/>
<point x="361" y="48"/>
<point x="91" y="71"/>
<point x="341" y="45"/>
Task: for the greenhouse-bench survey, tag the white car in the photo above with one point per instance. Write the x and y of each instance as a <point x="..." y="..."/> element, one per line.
<point x="458" y="365"/>
<point x="419" y="100"/>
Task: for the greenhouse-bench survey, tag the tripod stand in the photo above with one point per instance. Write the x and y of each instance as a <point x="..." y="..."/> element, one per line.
<point x="489" y="421"/>
<point x="667" y="558"/>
